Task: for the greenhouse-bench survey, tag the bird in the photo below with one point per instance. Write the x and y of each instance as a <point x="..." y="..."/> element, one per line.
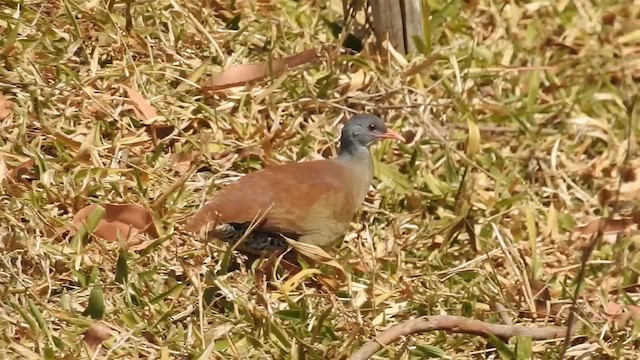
<point x="312" y="202"/>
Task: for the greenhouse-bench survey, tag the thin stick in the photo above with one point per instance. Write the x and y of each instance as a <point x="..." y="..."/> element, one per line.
<point x="503" y="312"/>
<point x="455" y="324"/>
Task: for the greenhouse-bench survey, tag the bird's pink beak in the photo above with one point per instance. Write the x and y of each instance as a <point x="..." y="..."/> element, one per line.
<point x="390" y="134"/>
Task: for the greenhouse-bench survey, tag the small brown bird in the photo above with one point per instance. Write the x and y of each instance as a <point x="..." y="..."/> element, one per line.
<point x="312" y="202"/>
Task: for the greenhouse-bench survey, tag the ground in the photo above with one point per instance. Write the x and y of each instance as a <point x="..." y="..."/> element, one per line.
<point x="521" y="126"/>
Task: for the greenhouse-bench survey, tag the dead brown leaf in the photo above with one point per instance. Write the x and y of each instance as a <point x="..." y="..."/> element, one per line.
<point x="634" y="311"/>
<point x="542" y="297"/>
<point x="145" y="111"/>
<point x="120" y="221"/>
<point x="630" y="187"/>
<point x="160" y="131"/>
<point x="141" y="106"/>
<point x="96" y="335"/>
<point x="610" y="227"/>
<point x="359" y="265"/>
<point x="181" y="162"/>
<point x="621" y="314"/>
<point x="331" y="283"/>
<point x="357" y="80"/>
<point x="241" y="74"/>
<point x="6" y="107"/>
<point x="21" y="170"/>
<point x="613" y="308"/>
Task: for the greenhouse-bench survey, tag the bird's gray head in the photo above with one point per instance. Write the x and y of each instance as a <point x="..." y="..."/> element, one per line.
<point x="363" y="130"/>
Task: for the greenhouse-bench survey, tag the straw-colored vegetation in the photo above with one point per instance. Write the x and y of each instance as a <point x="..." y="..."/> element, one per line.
<point x="521" y="128"/>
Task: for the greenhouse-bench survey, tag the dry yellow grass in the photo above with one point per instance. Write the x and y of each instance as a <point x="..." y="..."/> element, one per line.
<point x="521" y="121"/>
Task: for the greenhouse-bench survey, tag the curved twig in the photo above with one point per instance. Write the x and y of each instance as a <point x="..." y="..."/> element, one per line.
<point x="455" y="324"/>
<point x="503" y="313"/>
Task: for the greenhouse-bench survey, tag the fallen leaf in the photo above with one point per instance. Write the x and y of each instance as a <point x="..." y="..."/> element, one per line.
<point x="414" y="200"/>
<point x="21" y="170"/>
<point x="141" y="106"/>
<point x="181" y="162"/>
<point x="331" y="283"/>
<point x="357" y="81"/>
<point x="542" y="297"/>
<point x="160" y="131"/>
<point x="96" y="335"/>
<point x="634" y="311"/>
<point x="241" y="74"/>
<point x="145" y="111"/>
<point x="608" y="226"/>
<point x="623" y="314"/>
<point x="6" y="107"/>
<point x="250" y="152"/>
<point x="120" y="221"/>
<point x="540" y="290"/>
<point x="360" y="266"/>
<point x="630" y="187"/>
<point x="613" y="308"/>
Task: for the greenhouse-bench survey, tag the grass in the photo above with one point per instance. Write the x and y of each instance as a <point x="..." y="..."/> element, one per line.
<point x="520" y="120"/>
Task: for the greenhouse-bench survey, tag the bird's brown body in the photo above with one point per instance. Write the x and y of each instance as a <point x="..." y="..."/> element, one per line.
<point x="306" y="201"/>
<point x="312" y="202"/>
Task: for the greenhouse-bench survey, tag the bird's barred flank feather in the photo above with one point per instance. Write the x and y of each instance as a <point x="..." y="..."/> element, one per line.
<point x="255" y="242"/>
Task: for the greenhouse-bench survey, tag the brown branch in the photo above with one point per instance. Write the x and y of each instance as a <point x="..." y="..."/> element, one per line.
<point x="454" y="324"/>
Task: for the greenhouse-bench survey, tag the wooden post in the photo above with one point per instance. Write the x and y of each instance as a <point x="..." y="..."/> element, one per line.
<point x="387" y="22"/>
<point x="413" y="23"/>
<point x="397" y="21"/>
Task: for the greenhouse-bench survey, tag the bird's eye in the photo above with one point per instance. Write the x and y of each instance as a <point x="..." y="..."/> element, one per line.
<point x="372" y="127"/>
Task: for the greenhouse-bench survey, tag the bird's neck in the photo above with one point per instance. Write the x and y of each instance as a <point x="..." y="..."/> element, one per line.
<point x="360" y="164"/>
<point x="356" y="156"/>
